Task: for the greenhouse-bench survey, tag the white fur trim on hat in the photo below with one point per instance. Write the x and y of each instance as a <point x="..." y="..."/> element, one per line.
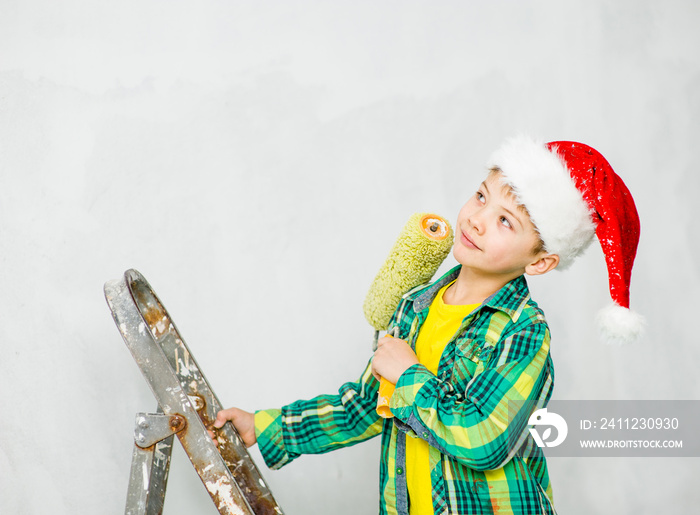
<point x="542" y="183"/>
<point x="618" y="325"/>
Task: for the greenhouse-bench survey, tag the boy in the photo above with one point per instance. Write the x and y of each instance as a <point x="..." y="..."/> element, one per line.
<point x="471" y="358"/>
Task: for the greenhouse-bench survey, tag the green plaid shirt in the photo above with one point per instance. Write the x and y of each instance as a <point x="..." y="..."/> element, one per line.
<point x="492" y="374"/>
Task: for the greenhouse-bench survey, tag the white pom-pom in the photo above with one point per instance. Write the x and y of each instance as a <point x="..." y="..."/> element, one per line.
<point x="619" y="325"/>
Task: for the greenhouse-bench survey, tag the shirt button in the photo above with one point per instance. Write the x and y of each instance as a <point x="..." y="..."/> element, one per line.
<point x="425" y="435"/>
<point x="399" y="471"/>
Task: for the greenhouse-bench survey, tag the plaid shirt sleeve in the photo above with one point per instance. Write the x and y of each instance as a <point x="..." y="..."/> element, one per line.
<point x="320" y="425"/>
<point x="483" y="426"/>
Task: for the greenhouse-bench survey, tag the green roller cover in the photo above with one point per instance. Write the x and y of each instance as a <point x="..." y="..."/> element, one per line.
<point x="422" y="246"/>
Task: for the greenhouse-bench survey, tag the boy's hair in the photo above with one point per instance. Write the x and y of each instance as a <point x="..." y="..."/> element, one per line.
<point x="539" y="246"/>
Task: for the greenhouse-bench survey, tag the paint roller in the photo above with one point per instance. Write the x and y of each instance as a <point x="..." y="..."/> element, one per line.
<point x="422" y="246"/>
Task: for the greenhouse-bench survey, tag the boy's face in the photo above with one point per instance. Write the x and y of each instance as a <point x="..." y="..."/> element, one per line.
<point x="494" y="236"/>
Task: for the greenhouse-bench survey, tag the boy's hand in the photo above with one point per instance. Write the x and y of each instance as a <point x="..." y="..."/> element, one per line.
<point x="391" y="359"/>
<point x="243" y="421"/>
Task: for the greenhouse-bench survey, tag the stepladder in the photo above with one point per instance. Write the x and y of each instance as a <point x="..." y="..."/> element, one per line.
<point x="186" y="408"/>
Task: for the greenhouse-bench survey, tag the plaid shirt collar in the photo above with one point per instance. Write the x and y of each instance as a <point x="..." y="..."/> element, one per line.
<point x="511" y="298"/>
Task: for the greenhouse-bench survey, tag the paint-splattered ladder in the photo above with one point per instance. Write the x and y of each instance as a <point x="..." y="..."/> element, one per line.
<point x="187" y="407"/>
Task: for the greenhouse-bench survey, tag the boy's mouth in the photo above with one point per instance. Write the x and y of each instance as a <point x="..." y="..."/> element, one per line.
<point x="468" y="242"/>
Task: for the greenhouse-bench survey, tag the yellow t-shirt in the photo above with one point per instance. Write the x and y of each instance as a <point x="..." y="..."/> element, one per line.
<point x="440" y="325"/>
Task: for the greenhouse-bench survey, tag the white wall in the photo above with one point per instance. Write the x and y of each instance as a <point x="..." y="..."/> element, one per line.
<point x="256" y="160"/>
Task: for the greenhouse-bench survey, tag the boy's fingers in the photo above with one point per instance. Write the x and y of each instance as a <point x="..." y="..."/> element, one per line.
<point x="213" y="437"/>
<point x="222" y="417"/>
<point x="225" y="415"/>
<point x="383" y="340"/>
<point x="388" y="339"/>
<point x="376" y="374"/>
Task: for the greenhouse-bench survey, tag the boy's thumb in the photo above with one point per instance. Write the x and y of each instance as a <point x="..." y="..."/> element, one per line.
<point x="220" y="420"/>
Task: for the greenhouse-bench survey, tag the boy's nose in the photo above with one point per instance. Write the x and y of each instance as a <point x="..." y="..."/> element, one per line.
<point x="475" y="221"/>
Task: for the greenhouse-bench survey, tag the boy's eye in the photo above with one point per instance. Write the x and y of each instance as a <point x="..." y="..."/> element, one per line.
<point x="480" y="197"/>
<point x="505" y="222"/>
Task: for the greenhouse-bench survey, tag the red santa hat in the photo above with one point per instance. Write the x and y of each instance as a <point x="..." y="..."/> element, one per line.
<point x="572" y="193"/>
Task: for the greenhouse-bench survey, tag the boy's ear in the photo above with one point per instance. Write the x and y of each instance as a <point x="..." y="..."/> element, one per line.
<point x="544" y="264"/>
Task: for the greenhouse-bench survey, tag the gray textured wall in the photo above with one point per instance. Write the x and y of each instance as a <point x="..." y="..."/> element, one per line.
<point x="256" y="160"/>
